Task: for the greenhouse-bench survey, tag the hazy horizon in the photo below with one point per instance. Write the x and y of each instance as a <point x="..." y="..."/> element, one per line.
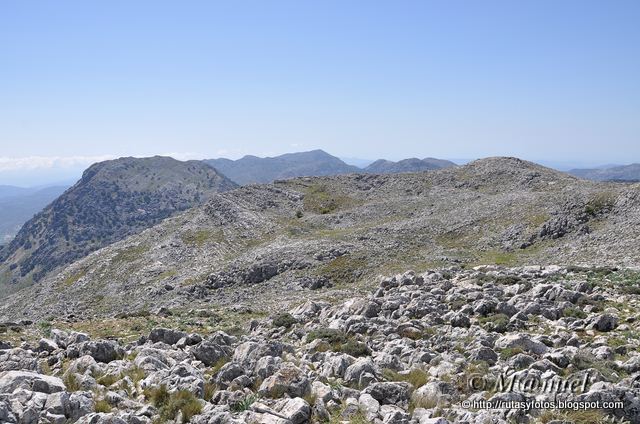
<point x="57" y="171"/>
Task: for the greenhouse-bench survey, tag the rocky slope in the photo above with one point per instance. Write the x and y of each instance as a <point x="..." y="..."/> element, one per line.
<point x="268" y="246"/>
<point x="628" y="173"/>
<point x="428" y="348"/>
<point x="112" y="200"/>
<point x="383" y="166"/>
<point x="252" y="169"/>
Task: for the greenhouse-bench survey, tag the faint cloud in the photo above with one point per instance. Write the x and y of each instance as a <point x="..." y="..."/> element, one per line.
<point x="183" y="155"/>
<point x="32" y="163"/>
<point x="48" y="162"/>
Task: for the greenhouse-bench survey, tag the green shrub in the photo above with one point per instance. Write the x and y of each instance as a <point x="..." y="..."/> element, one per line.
<point x="245" y="403"/>
<point x="355" y="348"/>
<point x="416" y="377"/>
<point x="102" y="406"/>
<point x="497" y="323"/>
<point x="209" y="391"/>
<point x="181" y="401"/>
<point x="170" y="404"/>
<point x="108" y="379"/>
<point x="71" y="382"/>
<point x="135" y="374"/>
<point x="339" y="341"/>
<point x="584" y="360"/>
<point x="574" y="312"/>
<point x="284" y="320"/>
<point x="510" y="352"/>
<point x="45" y="328"/>
<point x="328" y="334"/>
<point x="158" y="396"/>
<point x="601" y="203"/>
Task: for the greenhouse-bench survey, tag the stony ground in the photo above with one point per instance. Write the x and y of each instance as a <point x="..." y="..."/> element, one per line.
<point x="415" y="350"/>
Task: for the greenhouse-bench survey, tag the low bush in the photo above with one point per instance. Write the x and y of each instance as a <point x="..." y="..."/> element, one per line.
<point x="284" y="320"/>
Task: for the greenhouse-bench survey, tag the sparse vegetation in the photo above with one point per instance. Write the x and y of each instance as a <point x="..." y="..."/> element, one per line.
<point x="510" y="352"/>
<point x="495" y="322"/>
<point x="245" y="403"/>
<point x="71" y="382"/>
<point x="321" y="199"/>
<point x="589" y="416"/>
<point x="284" y="320"/>
<point x="339" y="341"/>
<point x="574" y="312"/>
<point x="102" y="406"/>
<point x="417" y="377"/>
<point x="600" y="203"/>
<point x="199" y="238"/>
<point x="45" y="328"/>
<point x="170" y="404"/>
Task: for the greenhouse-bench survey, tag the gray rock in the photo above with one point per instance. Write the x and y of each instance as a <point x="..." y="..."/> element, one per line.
<point x="165" y="335"/>
<point x="435" y="392"/>
<point x="46" y="345"/>
<point x="266" y="366"/>
<point x="296" y="410"/>
<point x="360" y="367"/>
<point x="209" y="352"/>
<point x="604" y="322"/>
<point x="369" y="406"/>
<point x="102" y="351"/>
<point x="13" y="380"/>
<point x="460" y="320"/>
<point x="522" y="341"/>
<point x="390" y="393"/>
<point x="288" y="380"/>
<point x="18" y="359"/>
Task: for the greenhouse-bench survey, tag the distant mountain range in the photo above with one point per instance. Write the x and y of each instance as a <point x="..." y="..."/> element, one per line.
<point x="253" y="169"/>
<point x="112" y="200"/>
<point x="629" y="173"/>
<point x="383" y="166"/>
<point x="18" y="204"/>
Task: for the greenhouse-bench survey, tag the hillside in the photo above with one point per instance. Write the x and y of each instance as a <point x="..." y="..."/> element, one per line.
<point x="383" y="166"/>
<point x="625" y="173"/>
<point x="252" y="169"/>
<point x="266" y="246"/>
<point x="18" y="206"/>
<point x="112" y="200"/>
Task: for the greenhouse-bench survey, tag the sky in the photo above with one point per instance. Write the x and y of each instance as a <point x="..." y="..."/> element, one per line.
<point x="542" y="80"/>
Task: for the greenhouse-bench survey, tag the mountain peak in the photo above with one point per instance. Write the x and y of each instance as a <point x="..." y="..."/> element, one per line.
<point x="252" y="169"/>
<point x="112" y="200"/>
<point x="383" y="166"/>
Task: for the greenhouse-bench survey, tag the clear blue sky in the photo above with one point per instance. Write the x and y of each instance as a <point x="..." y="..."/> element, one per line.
<point x="456" y="79"/>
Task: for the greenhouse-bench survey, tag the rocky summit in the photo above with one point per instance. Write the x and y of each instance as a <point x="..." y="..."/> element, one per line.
<point x="427" y="348"/>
